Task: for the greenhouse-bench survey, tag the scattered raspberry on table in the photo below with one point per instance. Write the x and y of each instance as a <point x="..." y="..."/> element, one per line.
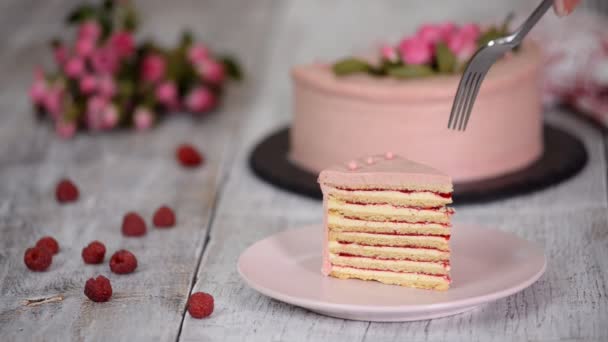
<point x="66" y="191"/>
<point x="94" y="253"/>
<point x="133" y="225"/>
<point x="188" y="156"/>
<point x="200" y="305"/>
<point x="164" y="217"/>
<point x="98" y="289"/>
<point x="123" y="262"/>
<point x="49" y="244"/>
<point x="37" y="259"/>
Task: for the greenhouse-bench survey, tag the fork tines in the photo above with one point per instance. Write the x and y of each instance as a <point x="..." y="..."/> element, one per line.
<point x="464" y="100"/>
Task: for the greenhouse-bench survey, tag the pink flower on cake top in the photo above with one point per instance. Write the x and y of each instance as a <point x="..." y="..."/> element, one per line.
<point x="433" y="49"/>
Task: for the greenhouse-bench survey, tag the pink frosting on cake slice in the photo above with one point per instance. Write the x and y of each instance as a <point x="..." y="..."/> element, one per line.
<point x="386" y="170"/>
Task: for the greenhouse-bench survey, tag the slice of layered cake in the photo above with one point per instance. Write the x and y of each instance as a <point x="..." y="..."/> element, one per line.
<point x="386" y="219"/>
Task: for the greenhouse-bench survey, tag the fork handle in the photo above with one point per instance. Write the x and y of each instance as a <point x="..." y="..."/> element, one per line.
<point x="527" y="25"/>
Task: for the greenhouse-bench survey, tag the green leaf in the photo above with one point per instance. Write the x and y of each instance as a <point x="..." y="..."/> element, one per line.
<point x="350" y="66"/>
<point x="108" y="5"/>
<point x="410" y="71"/>
<point x="130" y="20"/>
<point x="186" y="39"/>
<point x="81" y="13"/>
<point x="446" y="60"/>
<point x="232" y="67"/>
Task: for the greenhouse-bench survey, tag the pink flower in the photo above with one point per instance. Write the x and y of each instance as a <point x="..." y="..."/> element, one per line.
<point x="447" y="29"/>
<point x="463" y="45"/>
<point x="74" y="67"/>
<point x="87" y="84"/>
<point x="430" y="33"/>
<point x="200" y="99"/>
<point x="105" y="60"/>
<point x="89" y="30"/>
<point x="166" y="94"/>
<point x="197" y="53"/>
<point x="95" y="107"/>
<point x="470" y="30"/>
<point x="61" y="55"/>
<point x="122" y="42"/>
<point x="389" y="53"/>
<point x="38" y="91"/>
<point x="84" y="47"/>
<point x="153" y="68"/>
<point x="211" y="70"/>
<point x="109" y="116"/>
<point x="53" y="101"/>
<point x="65" y="129"/>
<point x="106" y="86"/>
<point x="143" y="119"/>
<point x="415" y="51"/>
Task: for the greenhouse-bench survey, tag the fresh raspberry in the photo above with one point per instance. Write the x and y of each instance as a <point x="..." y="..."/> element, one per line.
<point x="94" y="253"/>
<point x="66" y="191"/>
<point x="133" y="225"/>
<point x="123" y="262"/>
<point x="49" y="244"/>
<point x="200" y="305"/>
<point x="98" y="289"/>
<point x="188" y="156"/>
<point x="37" y="259"/>
<point x="164" y="217"/>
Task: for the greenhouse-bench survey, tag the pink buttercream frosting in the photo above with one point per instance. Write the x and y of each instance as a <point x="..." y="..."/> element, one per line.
<point x="340" y="118"/>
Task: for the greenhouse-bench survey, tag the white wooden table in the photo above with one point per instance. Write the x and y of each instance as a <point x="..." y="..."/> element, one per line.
<point x="222" y="208"/>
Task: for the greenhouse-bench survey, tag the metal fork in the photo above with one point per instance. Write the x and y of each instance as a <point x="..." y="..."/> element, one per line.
<point x="481" y="62"/>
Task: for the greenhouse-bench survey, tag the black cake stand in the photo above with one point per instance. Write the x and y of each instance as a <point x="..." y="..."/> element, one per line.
<point x="563" y="157"/>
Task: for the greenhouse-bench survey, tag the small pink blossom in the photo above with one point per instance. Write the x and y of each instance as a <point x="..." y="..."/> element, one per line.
<point x="198" y="53"/>
<point x="143" y="119"/>
<point x="84" y="47"/>
<point x="389" y="53"/>
<point x="211" y="70"/>
<point x="153" y="68"/>
<point x="105" y="60"/>
<point x="74" y="67"/>
<point x="61" y="54"/>
<point x="200" y="99"/>
<point x="89" y="30"/>
<point x="38" y="91"/>
<point x="430" y="33"/>
<point x="106" y="86"/>
<point x="109" y="116"/>
<point x="471" y="31"/>
<point x="122" y="42"/>
<point x="53" y="101"/>
<point x="415" y="51"/>
<point x="95" y="107"/>
<point x="166" y="94"/>
<point x="447" y="29"/>
<point x="87" y="84"/>
<point x="462" y="45"/>
<point x="65" y="129"/>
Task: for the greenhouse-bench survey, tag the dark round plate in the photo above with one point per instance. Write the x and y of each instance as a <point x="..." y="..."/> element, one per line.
<point x="563" y="157"/>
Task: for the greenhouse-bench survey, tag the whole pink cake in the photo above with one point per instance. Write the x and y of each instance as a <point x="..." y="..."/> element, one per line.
<point x="338" y="118"/>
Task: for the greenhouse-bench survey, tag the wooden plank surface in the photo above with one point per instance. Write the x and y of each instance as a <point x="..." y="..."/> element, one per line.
<point x="116" y="173"/>
<point x="226" y="205"/>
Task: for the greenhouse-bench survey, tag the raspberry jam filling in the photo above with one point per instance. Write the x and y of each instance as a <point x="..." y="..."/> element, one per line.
<point x="440" y="194"/>
<point x="421" y="273"/>
<point x="397" y="246"/>
<point x="348" y="255"/>
<point x="436" y="208"/>
<point x="447" y="237"/>
<point x="446" y="225"/>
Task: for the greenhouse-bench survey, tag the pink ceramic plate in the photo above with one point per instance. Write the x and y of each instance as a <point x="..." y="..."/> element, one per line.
<point x="487" y="264"/>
